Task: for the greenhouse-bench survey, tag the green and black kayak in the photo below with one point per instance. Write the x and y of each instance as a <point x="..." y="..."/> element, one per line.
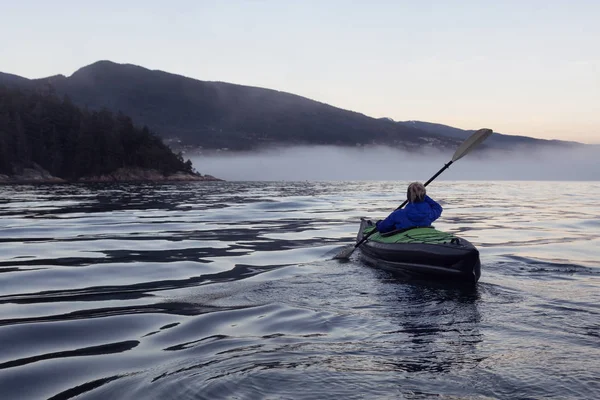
<point x="422" y="250"/>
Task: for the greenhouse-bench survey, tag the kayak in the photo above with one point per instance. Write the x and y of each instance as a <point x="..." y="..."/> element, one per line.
<point x="423" y="251"/>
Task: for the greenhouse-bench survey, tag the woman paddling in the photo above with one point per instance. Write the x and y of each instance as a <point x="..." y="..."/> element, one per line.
<point x="421" y="210"/>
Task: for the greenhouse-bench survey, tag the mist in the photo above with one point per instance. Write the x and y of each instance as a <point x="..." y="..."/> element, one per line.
<point x="320" y="163"/>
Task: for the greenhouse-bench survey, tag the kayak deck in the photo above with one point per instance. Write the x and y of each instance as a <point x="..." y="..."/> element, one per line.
<point x="423" y="250"/>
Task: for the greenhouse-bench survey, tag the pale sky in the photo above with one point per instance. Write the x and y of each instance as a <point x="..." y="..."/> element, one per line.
<point x="519" y="67"/>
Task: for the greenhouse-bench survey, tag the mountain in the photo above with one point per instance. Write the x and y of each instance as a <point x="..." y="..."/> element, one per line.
<point x="11" y="80"/>
<point x="497" y="140"/>
<point x="218" y="114"/>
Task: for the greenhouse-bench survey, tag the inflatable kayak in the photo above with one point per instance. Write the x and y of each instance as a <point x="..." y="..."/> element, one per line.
<point x="424" y="251"/>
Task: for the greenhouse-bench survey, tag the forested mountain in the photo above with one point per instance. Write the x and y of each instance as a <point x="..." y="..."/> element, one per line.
<point x="71" y="143"/>
<point x="218" y="115"/>
<point x="11" y="80"/>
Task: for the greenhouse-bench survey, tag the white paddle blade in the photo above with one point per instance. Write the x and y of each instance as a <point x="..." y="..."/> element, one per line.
<point x="472" y="142"/>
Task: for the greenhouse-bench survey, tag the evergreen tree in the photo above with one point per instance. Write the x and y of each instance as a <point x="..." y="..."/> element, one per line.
<point x="38" y="128"/>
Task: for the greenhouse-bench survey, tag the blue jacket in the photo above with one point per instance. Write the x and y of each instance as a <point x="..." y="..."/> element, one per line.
<point x="414" y="214"/>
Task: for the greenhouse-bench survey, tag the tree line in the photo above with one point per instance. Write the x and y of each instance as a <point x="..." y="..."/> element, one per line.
<point x="71" y="143"/>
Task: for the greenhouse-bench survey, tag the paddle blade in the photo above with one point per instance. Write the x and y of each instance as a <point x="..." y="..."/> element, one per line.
<point x="345" y="253"/>
<point x="472" y="142"/>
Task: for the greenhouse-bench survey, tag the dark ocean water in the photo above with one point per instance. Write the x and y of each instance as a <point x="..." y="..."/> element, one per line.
<point x="228" y="290"/>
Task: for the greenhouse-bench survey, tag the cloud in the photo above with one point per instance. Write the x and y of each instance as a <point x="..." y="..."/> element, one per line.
<point x="384" y="163"/>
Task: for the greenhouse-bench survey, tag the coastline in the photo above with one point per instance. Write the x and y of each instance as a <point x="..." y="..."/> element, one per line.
<point x="39" y="175"/>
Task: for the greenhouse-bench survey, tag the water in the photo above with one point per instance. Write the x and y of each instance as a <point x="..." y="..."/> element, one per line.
<point x="228" y="290"/>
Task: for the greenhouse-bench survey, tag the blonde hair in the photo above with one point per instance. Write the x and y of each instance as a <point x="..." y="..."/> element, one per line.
<point x="416" y="192"/>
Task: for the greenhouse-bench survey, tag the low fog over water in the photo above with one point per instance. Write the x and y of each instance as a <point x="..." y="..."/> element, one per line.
<point x="384" y="163"/>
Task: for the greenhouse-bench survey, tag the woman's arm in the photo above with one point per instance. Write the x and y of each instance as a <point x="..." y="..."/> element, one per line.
<point x="436" y="209"/>
<point x="388" y="224"/>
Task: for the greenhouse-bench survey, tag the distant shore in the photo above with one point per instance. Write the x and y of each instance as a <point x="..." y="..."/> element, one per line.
<point x="38" y="175"/>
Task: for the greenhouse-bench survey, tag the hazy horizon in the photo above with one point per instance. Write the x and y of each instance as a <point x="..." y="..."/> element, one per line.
<point x="522" y="68"/>
<point x="383" y="163"/>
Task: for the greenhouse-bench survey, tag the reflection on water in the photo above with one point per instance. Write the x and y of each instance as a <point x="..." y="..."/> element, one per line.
<point x="228" y="289"/>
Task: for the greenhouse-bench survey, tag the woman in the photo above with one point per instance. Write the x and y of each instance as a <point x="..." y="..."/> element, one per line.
<point x="421" y="210"/>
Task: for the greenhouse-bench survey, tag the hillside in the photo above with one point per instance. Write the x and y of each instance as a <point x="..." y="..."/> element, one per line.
<point x="14" y="81"/>
<point x="217" y="114"/>
<point x="498" y="140"/>
<point x="45" y="138"/>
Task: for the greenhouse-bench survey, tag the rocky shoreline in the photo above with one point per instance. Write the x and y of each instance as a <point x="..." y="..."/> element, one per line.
<point x="39" y="175"/>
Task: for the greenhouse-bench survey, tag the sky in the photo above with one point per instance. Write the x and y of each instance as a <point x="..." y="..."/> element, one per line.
<point x="516" y="66"/>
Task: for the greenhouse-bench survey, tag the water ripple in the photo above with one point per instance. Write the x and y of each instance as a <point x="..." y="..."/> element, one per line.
<point x="228" y="290"/>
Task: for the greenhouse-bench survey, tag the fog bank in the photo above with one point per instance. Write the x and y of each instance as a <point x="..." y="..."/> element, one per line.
<point x="384" y="163"/>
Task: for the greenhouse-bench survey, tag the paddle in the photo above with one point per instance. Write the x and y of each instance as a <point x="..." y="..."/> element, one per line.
<point x="473" y="141"/>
